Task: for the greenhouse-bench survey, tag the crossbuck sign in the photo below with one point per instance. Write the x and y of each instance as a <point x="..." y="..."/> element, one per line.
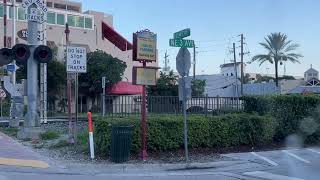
<point x="76" y="59"/>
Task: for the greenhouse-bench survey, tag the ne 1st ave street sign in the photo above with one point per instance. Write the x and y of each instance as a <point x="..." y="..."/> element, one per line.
<point x="182" y="34"/>
<point x="181" y="43"/>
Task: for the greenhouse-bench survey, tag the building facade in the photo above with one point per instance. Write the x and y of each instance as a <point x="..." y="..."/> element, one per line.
<point x="232" y="69"/>
<point x="90" y="29"/>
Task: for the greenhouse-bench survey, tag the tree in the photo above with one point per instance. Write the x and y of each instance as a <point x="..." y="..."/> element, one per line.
<point x="260" y="78"/>
<point x="279" y="49"/>
<point x="246" y="78"/>
<point x="198" y="87"/>
<point x="100" y="64"/>
<point x="167" y="85"/>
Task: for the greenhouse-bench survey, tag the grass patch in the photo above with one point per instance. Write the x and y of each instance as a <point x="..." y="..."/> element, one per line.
<point x="49" y="135"/>
<point x="9" y="131"/>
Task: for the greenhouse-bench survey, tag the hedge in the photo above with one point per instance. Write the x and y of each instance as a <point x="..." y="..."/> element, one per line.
<point x="288" y="110"/>
<point x="166" y="132"/>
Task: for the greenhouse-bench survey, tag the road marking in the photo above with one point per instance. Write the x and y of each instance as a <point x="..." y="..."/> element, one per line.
<point x="295" y="156"/>
<point x="312" y="150"/>
<point x="270" y="176"/>
<point x="22" y="162"/>
<point x="265" y="159"/>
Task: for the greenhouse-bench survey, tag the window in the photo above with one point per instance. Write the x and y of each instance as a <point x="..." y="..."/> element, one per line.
<point x="51" y="18"/>
<point x="79" y="21"/>
<point x="71" y="20"/>
<point x="60" y="6"/>
<point x="73" y="8"/>
<point x="1" y="10"/>
<point x="76" y="21"/>
<point x="10" y="12"/>
<point x="21" y="14"/>
<point x="49" y="4"/>
<point x="231" y="74"/>
<point x="88" y="23"/>
<point x="61" y="19"/>
<point x="315" y="74"/>
<point x="310" y="74"/>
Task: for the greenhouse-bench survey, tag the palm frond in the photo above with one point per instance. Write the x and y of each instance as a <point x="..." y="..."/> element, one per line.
<point x="262" y="58"/>
<point x="291" y="47"/>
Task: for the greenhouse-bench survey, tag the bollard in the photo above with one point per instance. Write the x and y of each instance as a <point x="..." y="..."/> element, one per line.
<point x="90" y="125"/>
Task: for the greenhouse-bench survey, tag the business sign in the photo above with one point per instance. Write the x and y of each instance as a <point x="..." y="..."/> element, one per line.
<point x="182" y="34"/>
<point x="144" y="76"/>
<point x="145" y="46"/>
<point x="76" y="59"/>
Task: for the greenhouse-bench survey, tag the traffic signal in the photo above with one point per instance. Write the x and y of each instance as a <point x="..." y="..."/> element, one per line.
<point x="21" y="53"/>
<point x="5" y="56"/>
<point x="43" y="54"/>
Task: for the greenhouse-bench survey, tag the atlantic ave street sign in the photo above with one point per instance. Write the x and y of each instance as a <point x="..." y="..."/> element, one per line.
<point x="181" y="43"/>
<point x="182" y="34"/>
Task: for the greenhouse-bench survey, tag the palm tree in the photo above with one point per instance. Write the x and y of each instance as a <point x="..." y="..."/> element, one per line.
<point x="279" y="50"/>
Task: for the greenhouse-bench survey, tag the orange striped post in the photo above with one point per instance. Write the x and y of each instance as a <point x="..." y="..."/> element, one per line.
<point x="90" y="126"/>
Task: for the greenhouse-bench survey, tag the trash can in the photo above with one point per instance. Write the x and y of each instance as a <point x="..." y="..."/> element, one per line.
<point x="121" y="138"/>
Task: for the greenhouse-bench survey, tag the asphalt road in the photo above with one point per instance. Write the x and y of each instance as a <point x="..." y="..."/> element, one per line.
<point x="291" y="164"/>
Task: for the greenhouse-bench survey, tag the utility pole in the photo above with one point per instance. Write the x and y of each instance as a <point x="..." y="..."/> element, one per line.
<point x="166" y="61"/>
<point x="235" y="68"/>
<point x="242" y="74"/>
<point x="194" y="62"/>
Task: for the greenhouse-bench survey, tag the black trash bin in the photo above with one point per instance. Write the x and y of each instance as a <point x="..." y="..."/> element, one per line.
<point x="121" y="138"/>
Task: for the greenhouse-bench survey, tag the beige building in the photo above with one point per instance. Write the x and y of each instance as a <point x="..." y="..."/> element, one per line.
<point x="91" y="29"/>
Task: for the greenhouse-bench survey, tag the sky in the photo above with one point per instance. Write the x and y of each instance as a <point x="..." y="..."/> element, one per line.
<point x="216" y="24"/>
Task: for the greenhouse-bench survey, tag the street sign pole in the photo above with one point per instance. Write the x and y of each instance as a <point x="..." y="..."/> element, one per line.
<point x="103" y="96"/>
<point x="144" y="120"/>
<point x="185" y="125"/>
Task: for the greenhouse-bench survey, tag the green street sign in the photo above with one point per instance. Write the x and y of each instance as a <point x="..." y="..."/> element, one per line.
<point x="181" y="43"/>
<point x="182" y="34"/>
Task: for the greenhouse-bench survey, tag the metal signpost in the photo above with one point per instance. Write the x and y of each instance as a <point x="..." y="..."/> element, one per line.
<point x="103" y="96"/>
<point x="2" y="96"/>
<point x="34" y="29"/>
<point x="76" y="63"/>
<point x="144" y="50"/>
<point x="183" y="64"/>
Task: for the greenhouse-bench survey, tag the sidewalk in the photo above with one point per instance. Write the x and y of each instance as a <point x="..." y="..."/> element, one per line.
<point x="13" y="153"/>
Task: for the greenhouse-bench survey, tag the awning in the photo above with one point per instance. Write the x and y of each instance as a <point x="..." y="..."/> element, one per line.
<point x="115" y="38"/>
<point x="124" y="88"/>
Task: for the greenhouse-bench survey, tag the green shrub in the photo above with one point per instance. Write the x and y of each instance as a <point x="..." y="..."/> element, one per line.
<point x="166" y="132"/>
<point x="49" y="135"/>
<point x="288" y="110"/>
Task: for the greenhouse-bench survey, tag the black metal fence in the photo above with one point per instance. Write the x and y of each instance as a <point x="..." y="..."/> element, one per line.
<point x="131" y="105"/>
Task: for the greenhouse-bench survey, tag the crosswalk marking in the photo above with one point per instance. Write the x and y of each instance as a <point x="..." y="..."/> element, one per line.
<point x="295" y="156"/>
<point x="269" y="176"/>
<point x="315" y="151"/>
<point x="265" y="159"/>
